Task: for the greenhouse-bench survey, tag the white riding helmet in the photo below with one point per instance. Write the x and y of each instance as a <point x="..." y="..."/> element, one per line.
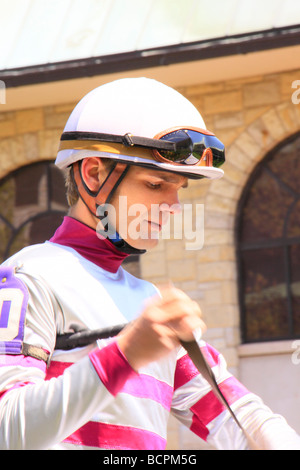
<point x="117" y="119"/>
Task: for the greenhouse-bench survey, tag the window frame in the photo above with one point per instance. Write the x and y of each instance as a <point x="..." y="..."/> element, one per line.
<point x="284" y="242"/>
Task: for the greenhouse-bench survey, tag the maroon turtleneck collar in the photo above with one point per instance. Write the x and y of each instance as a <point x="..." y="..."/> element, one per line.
<point x="85" y="241"/>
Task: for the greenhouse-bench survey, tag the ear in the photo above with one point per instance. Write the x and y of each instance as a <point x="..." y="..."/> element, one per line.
<point x="93" y="172"/>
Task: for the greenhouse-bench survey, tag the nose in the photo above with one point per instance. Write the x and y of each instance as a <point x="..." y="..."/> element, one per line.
<point x="172" y="205"/>
<point x="175" y="208"/>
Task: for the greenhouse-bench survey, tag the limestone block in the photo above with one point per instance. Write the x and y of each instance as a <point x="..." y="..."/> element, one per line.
<point x="216" y="203"/>
<point x="7" y="128"/>
<point x="238" y="157"/>
<point x="233" y="174"/>
<point x="6" y="161"/>
<point x="31" y="146"/>
<point x="260" y="133"/>
<point x="214" y="237"/>
<point x="228" y="136"/>
<point x="55" y="119"/>
<point x="262" y="93"/>
<point x="17" y="153"/>
<point x="289" y="117"/>
<point x="218" y="271"/>
<point x="182" y="270"/>
<point x="228" y="120"/>
<point x="153" y="266"/>
<point x="286" y="80"/>
<point x="274" y="124"/>
<point x="297" y="113"/>
<point x="227" y="252"/>
<point x="208" y="254"/>
<point x="29" y="120"/>
<point x="213" y="334"/>
<point x="213" y="297"/>
<point x="174" y="250"/>
<point x="223" y="102"/>
<point x="229" y="292"/>
<point x="48" y="143"/>
<point x="232" y="336"/>
<point x="224" y="188"/>
<point x="251" y="114"/>
<point x="248" y="145"/>
<point x="204" y="89"/>
<point x="216" y="316"/>
<point x="214" y="220"/>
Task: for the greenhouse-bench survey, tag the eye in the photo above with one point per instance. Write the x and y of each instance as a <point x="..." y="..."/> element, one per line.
<point x="154" y="185"/>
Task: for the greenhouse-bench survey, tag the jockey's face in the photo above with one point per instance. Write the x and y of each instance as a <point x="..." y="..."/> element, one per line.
<point x="143" y="203"/>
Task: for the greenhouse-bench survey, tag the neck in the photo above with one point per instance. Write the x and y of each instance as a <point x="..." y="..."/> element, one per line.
<point x="80" y="212"/>
<point x="85" y="241"/>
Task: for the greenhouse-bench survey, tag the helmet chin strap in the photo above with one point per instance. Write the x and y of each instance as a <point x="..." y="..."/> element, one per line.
<point x="93" y="200"/>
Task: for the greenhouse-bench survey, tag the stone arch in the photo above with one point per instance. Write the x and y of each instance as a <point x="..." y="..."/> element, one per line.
<point x="25" y="148"/>
<point x="222" y="198"/>
<point x="24" y="144"/>
<point x="251" y="146"/>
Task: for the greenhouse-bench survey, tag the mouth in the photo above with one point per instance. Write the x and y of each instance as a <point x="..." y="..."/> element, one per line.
<point x="156" y="227"/>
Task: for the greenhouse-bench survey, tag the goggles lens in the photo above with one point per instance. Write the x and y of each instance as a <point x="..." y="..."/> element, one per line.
<point x="190" y="148"/>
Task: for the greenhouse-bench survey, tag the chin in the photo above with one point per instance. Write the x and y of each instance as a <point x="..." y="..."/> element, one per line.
<point x="144" y="244"/>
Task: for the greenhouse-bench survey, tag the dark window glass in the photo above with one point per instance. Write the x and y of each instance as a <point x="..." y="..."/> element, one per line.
<point x="265" y="208"/>
<point x="269" y="247"/>
<point x="295" y="286"/>
<point x="265" y="294"/>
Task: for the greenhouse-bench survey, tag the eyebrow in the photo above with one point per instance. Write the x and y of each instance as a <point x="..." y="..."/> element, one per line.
<point x="171" y="179"/>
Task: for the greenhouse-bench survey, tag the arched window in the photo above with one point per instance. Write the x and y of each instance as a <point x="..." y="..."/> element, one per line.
<point x="268" y="244"/>
<point x="32" y="206"/>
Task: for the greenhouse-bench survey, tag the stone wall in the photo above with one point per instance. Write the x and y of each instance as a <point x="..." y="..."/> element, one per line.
<point x="30" y="135"/>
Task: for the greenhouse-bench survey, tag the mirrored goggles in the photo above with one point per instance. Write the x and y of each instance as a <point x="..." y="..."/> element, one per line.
<point x="177" y="146"/>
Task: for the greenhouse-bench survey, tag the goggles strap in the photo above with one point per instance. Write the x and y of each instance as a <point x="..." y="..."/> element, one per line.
<point x="93" y="200"/>
<point x="103" y="196"/>
<point x="128" y="140"/>
<point x="208" y="157"/>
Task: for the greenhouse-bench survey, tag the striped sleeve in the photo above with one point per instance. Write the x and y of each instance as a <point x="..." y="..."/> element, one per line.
<point x="112" y="367"/>
<point x="194" y="402"/>
<point x="196" y="406"/>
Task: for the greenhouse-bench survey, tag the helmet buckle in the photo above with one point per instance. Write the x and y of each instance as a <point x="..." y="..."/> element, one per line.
<point x="127" y="140"/>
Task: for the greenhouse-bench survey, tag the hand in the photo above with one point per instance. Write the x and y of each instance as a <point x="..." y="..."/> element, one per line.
<point x="165" y="321"/>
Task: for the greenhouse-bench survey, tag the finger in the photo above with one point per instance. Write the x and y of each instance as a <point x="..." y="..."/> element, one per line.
<point x="169" y="292"/>
<point x="176" y="309"/>
<point x="186" y="327"/>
